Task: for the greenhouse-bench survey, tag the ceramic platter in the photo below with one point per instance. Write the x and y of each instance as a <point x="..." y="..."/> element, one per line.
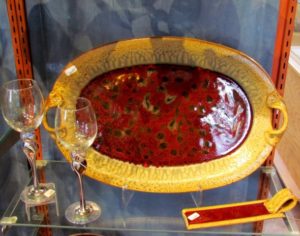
<point x="174" y="114"/>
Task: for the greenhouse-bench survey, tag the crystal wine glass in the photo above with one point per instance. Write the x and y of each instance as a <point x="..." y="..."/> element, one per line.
<point x="22" y="106"/>
<point x="76" y="129"/>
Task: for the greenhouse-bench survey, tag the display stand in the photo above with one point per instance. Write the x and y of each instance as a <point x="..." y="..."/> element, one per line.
<point x="50" y="193"/>
<point x="287" y="10"/>
<point x="126" y="196"/>
<point x="197" y="197"/>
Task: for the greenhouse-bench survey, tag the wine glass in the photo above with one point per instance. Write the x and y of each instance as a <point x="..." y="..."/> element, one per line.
<point x="76" y="129"/>
<point x="22" y="106"/>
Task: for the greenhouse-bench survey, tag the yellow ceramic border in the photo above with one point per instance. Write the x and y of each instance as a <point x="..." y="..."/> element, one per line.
<point x="185" y="51"/>
<point x="281" y="202"/>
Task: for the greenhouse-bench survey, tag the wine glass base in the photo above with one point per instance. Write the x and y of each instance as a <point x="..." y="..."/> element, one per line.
<point x="41" y="196"/>
<point x="76" y="216"/>
<point x="46" y="195"/>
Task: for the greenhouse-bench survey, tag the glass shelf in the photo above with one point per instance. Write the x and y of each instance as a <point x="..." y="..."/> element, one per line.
<point x="136" y="213"/>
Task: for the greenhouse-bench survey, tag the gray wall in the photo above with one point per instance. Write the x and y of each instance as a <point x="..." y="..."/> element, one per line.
<point x="61" y="30"/>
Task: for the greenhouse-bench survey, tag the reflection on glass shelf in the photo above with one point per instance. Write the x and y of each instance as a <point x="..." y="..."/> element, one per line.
<point x="133" y="212"/>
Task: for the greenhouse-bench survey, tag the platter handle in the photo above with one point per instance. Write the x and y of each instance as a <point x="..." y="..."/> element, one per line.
<point x="53" y="100"/>
<point x="275" y="101"/>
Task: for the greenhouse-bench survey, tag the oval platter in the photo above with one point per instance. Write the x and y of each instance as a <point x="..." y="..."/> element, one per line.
<point x="184" y="177"/>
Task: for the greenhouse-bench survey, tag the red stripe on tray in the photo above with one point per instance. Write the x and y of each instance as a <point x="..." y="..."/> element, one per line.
<point x="227" y="213"/>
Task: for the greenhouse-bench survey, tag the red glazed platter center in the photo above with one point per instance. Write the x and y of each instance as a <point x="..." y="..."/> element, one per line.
<point x="168" y="115"/>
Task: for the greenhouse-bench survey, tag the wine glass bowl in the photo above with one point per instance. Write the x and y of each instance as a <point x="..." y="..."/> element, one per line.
<point x="76" y="129"/>
<point x="22" y="105"/>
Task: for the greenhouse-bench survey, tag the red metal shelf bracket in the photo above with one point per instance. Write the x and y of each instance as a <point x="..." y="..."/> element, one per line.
<point x="20" y="41"/>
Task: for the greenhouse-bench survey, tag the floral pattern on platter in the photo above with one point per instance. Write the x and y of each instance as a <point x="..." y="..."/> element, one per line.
<point x="168" y="115"/>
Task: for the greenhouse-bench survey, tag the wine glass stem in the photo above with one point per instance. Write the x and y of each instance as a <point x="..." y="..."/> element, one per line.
<point x="29" y="149"/>
<point x="82" y="196"/>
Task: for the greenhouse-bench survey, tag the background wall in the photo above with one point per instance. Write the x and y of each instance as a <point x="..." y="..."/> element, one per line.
<point x="61" y="30"/>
